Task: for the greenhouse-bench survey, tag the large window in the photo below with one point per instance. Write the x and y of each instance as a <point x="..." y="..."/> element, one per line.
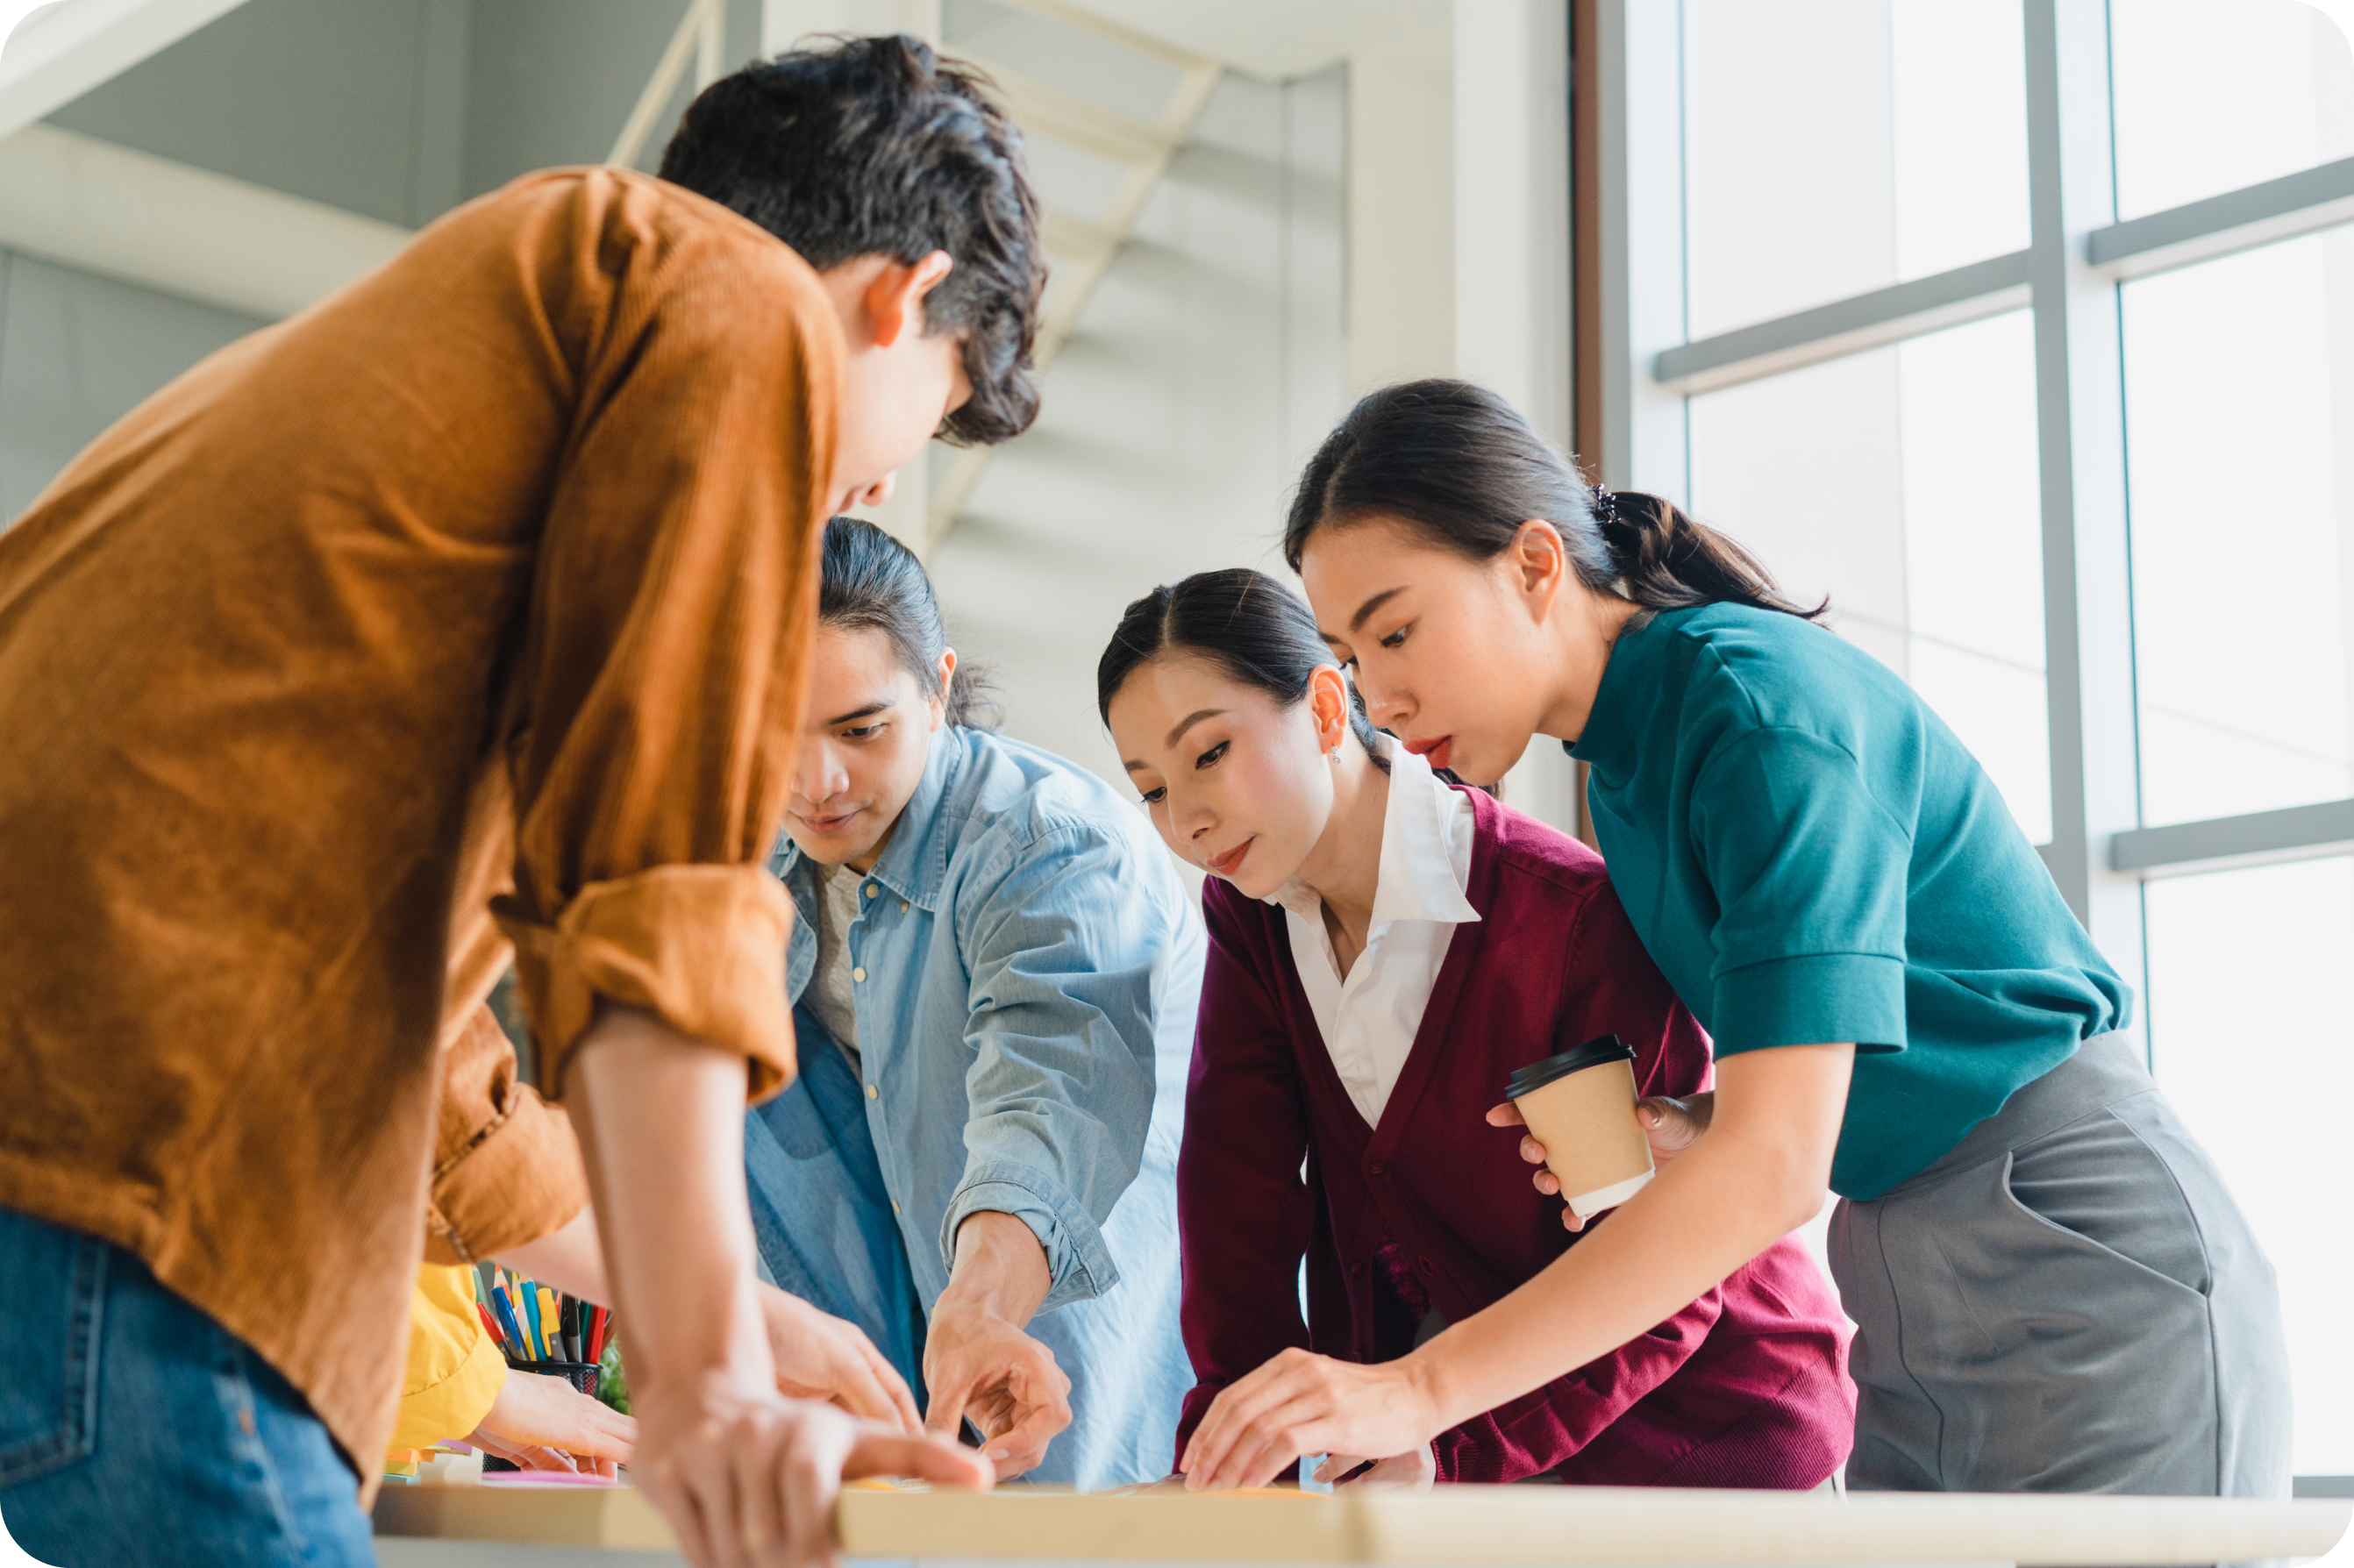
<point x="2024" y="329"/>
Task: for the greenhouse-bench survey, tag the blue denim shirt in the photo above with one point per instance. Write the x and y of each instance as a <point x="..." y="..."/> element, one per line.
<point x="1032" y="965"/>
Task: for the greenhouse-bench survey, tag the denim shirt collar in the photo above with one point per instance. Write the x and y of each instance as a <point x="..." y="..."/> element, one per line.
<point x="915" y="863"/>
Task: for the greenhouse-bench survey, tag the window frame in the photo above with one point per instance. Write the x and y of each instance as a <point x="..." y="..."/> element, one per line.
<point x="1637" y="368"/>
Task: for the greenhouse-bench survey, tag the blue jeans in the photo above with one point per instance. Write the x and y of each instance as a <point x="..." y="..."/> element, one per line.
<point x="135" y="1429"/>
<point x="820" y="1211"/>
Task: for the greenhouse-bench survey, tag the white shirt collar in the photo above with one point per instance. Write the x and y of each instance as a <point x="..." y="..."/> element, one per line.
<point x="1426" y="860"/>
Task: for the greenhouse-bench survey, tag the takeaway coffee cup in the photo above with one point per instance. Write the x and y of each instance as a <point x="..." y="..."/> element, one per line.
<point x="1581" y="1106"/>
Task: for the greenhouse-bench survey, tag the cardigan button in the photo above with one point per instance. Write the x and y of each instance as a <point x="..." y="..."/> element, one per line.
<point x="1424" y="1264"/>
<point x="1376" y="1167"/>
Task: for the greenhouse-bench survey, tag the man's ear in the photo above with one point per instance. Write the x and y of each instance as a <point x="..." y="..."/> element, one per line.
<point x="895" y="299"/>
<point x="947" y="671"/>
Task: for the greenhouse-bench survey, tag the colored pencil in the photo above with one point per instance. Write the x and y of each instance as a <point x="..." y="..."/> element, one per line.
<point x="516" y="1346"/>
<point x="534" y="1344"/>
<point x="598" y="1319"/>
<point x="554" y="1321"/>
<point x="498" y="1335"/>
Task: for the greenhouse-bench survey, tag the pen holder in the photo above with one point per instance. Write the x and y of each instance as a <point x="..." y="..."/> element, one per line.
<point x="582" y="1375"/>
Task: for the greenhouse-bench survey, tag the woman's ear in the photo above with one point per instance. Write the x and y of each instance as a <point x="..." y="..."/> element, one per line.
<point x="1540" y="563"/>
<point x="1328" y="703"/>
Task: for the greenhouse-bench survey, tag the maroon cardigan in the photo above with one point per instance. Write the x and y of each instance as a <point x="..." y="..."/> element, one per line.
<point x="1746" y="1387"/>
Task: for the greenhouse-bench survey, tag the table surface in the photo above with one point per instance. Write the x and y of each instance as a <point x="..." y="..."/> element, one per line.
<point x="1463" y="1524"/>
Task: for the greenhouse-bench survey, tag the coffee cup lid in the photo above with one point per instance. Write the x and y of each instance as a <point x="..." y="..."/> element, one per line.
<point x="1593" y="1053"/>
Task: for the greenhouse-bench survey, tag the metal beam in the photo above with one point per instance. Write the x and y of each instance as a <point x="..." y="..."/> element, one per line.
<point x="2299" y="832"/>
<point x="1049" y="112"/>
<point x="2318" y="197"/>
<point x="1090" y="248"/>
<point x="2080" y="443"/>
<point x="103" y="208"/>
<point x="1639" y="109"/>
<point x="693" y="40"/>
<point x="62" y="53"/>
<point x="1847" y="326"/>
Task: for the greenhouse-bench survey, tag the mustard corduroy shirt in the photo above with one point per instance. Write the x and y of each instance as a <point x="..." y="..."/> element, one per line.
<point x="485" y="583"/>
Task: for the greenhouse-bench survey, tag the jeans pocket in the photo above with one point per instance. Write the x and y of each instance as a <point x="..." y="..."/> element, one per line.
<point x="52" y="1310"/>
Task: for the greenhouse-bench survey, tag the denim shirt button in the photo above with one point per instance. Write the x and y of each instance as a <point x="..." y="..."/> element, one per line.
<point x="871" y="1094"/>
<point x="859" y="974"/>
<point x="872" y="890"/>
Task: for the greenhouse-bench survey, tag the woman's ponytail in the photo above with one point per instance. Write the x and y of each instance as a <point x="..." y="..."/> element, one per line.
<point x="1667" y="559"/>
<point x="1459" y="465"/>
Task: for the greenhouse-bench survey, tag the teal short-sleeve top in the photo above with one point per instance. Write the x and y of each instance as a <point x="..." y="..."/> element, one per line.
<point x="1812" y="858"/>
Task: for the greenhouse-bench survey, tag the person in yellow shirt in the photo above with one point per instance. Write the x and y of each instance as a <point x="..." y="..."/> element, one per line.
<point x="458" y="1388"/>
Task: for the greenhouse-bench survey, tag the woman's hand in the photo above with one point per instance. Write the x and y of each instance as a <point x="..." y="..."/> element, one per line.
<point x="546" y="1424"/>
<point x="1669" y="1125"/>
<point x="820" y="1356"/>
<point x="1301" y="1403"/>
<point x="1416" y="1470"/>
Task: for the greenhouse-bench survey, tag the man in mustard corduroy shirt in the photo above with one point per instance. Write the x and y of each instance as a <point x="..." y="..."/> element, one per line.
<point x="462" y="615"/>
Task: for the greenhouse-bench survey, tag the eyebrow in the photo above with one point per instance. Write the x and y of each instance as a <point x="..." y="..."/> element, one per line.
<point x="1188" y="722"/>
<point x="854" y="715"/>
<point x="1372" y="605"/>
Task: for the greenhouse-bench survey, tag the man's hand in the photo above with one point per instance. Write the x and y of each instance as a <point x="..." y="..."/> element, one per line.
<point x="744" y="1475"/>
<point x="747" y="1476"/>
<point x="1670" y="1126"/>
<point x="820" y="1356"/>
<point x="979" y="1362"/>
<point x="1301" y="1403"/>
<point x="546" y="1424"/>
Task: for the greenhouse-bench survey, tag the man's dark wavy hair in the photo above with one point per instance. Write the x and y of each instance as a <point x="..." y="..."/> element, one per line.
<point x="877" y="146"/>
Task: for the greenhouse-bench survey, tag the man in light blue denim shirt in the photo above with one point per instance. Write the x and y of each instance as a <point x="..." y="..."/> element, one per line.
<point x="995" y="973"/>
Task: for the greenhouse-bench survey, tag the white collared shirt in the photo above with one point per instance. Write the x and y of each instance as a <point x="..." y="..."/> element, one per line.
<point x="1370" y="1019"/>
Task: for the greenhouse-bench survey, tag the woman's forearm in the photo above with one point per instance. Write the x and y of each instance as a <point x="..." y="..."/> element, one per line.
<point x="1759" y="1172"/>
<point x="661" y="1120"/>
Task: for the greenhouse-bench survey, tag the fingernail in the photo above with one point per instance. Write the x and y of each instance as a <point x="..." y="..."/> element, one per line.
<point x="993" y="1454"/>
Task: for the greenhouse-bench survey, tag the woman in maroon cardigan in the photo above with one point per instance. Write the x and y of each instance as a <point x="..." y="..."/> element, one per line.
<point x="1384" y="951"/>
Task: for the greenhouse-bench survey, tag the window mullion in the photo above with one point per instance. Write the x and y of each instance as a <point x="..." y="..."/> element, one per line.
<point x="2079" y="421"/>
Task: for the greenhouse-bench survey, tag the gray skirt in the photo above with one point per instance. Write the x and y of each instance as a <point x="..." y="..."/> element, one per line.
<point x="2069" y="1301"/>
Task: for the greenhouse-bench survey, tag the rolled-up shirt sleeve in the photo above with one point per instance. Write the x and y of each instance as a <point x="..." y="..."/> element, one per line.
<point x="1062" y="1030"/>
<point x="507" y="1167"/>
<point x="666" y="653"/>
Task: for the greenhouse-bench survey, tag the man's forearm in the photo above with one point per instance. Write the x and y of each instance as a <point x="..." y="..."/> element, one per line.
<point x="661" y="1120"/>
<point x="1000" y="1268"/>
<point x="571" y="1260"/>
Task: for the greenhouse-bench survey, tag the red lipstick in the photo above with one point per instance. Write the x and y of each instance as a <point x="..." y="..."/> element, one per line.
<point x="1226" y="865"/>
<point x="1437" y="751"/>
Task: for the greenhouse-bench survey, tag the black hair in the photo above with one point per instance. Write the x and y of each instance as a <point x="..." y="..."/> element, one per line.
<point x="1248" y="624"/>
<point x="1458" y="465"/>
<point x="878" y="147"/>
<point x="871" y="582"/>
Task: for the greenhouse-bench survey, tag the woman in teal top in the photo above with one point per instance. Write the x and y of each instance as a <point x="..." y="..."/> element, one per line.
<point x="2053" y="1288"/>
